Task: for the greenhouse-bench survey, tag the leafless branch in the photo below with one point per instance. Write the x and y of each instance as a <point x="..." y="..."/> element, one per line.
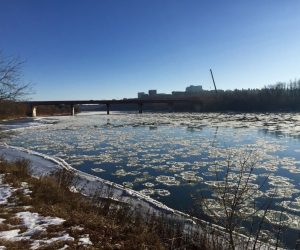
<point x="12" y="87"/>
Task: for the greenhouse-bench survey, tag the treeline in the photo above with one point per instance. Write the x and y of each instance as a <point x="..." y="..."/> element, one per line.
<point x="272" y="98"/>
<point x="11" y="110"/>
<point x="279" y="97"/>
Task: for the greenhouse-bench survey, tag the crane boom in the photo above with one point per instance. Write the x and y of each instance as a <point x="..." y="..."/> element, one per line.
<point x="212" y="76"/>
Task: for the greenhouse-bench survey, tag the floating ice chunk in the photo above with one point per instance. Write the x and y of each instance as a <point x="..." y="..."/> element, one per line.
<point x="209" y="174"/>
<point x="134" y="173"/>
<point x="247" y="211"/>
<point x="140" y="179"/>
<point x="98" y="170"/>
<point x="212" y="208"/>
<point x="149" y="184"/>
<point x="294" y="222"/>
<point x="294" y="170"/>
<point x="167" y="180"/>
<point x="215" y="168"/>
<point x="282" y="192"/>
<point x="128" y="184"/>
<point x="162" y="192"/>
<point x="147" y="192"/>
<point x="174" y="168"/>
<point x="280" y="181"/>
<point x="278" y="217"/>
<point x="190" y="176"/>
<point x="220" y="184"/>
<point x="291" y="205"/>
<point x="245" y="178"/>
<point x="267" y="236"/>
<point x="120" y="172"/>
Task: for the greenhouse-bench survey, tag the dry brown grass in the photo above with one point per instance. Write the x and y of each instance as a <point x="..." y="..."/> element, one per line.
<point x="110" y="225"/>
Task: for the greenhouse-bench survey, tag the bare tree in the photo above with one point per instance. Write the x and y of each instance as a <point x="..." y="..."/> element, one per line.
<point x="12" y="86"/>
<point x="234" y="201"/>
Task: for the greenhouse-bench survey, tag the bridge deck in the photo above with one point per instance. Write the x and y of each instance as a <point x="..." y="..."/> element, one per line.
<point x="122" y="101"/>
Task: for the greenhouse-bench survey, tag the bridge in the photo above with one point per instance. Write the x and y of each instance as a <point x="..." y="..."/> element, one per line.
<point x="139" y="102"/>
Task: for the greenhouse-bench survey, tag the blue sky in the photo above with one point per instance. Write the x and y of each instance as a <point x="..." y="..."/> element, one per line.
<point x="114" y="48"/>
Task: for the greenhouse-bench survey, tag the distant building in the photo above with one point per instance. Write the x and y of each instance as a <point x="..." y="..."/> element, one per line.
<point x="192" y="89"/>
<point x="152" y="92"/>
<point x="141" y="94"/>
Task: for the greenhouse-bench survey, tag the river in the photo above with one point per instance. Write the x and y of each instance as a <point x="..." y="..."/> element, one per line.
<point x="181" y="158"/>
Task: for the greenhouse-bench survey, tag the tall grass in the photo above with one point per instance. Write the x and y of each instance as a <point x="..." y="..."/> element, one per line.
<point x="110" y="224"/>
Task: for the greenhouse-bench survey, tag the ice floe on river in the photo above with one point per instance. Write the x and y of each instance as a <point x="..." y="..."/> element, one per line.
<point x="162" y="154"/>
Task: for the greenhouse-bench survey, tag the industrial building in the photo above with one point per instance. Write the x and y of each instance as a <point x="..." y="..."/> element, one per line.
<point x="192" y="90"/>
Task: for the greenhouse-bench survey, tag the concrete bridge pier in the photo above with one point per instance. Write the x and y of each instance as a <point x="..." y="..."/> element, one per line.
<point x="72" y="110"/>
<point x="33" y="111"/>
<point x="140" y="108"/>
<point x="107" y="108"/>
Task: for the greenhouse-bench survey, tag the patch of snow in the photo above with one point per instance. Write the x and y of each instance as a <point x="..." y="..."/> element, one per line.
<point x="24" y="184"/>
<point x="25" y="188"/>
<point x="77" y="228"/>
<point x="85" y="240"/>
<point x="37" y="243"/>
<point x="26" y="207"/>
<point x="37" y="223"/>
<point x="10" y="235"/>
<point x="73" y="189"/>
<point x="5" y="193"/>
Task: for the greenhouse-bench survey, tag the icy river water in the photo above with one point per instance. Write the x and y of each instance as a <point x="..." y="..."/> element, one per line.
<point x="179" y="158"/>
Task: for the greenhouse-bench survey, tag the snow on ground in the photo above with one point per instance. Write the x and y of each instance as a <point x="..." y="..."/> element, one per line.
<point x="36" y="223"/>
<point x="31" y="225"/>
<point x="11" y="235"/>
<point x="85" y="240"/>
<point x="37" y="243"/>
<point x="5" y="191"/>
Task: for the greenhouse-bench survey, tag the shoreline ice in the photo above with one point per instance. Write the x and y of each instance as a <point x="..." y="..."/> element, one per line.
<point x="42" y="164"/>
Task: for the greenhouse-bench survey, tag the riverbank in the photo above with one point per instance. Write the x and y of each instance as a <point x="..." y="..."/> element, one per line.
<point x="42" y="165"/>
<point x="45" y="213"/>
